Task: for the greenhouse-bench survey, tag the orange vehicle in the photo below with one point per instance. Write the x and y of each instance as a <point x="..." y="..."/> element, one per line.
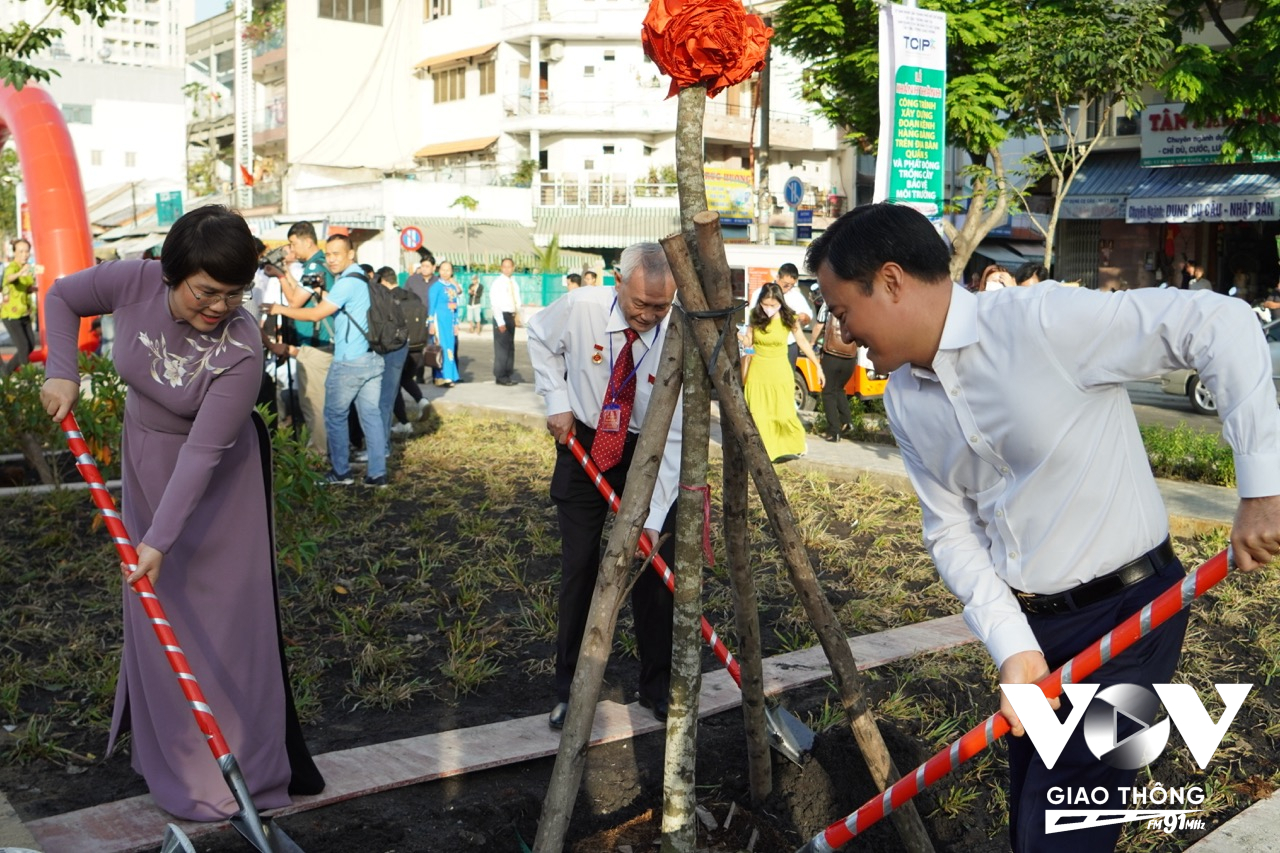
<point x="864" y="383"/>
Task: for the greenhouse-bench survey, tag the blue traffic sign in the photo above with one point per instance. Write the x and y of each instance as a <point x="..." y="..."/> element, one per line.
<point x="804" y="217"/>
<point x="793" y="191"/>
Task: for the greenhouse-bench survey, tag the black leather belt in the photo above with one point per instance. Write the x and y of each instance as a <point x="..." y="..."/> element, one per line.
<point x="1099" y="588"/>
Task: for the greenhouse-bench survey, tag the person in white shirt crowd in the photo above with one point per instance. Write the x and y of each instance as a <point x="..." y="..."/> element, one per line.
<point x="594" y="353"/>
<point x="788" y="275"/>
<point x="504" y="305"/>
<point x="1048" y="536"/>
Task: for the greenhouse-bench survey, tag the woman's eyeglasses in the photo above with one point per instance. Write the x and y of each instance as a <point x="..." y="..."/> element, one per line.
<point x="208" y="297"/>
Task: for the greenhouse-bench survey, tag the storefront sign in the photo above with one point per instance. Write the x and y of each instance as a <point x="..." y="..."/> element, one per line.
<point x="1171" y="139"/>
<point x="729" y="193"/>
<point x="1092" y="207"/>
<point x="1257" y="208"/>
<point x="913" y="83"/>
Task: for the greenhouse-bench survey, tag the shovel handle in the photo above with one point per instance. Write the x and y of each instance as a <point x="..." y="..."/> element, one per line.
<point x="88" y="469"/>
<point x="1153" y="614"/>
<point x="658" y="564"/>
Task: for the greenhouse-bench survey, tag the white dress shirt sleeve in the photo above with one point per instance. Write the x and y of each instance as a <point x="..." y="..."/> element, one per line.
<point x="1138" y="334"/>
<point x="960" y="549"/>
<point x="666" y="489"/>
<point x="547" y="331"/>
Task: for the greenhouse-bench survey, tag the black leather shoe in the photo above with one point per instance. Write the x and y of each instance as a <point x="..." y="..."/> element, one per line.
<point x="556" y="719"/>
<point x="659" y="708"/>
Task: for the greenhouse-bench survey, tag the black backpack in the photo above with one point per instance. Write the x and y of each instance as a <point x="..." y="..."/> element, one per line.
<point x="387" y="329"/>
<point x="415" y="316"/>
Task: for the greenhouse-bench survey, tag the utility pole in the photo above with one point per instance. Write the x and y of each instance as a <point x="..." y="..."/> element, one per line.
<point x="764" y="235"/>
<point x="242" y="196"/>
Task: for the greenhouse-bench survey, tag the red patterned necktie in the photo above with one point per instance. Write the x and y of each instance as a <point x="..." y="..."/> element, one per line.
<point x="606" y="449"/>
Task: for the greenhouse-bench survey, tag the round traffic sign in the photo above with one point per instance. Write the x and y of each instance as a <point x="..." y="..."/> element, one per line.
<point x="410" y="237"/>
<point x="793" y="191"/>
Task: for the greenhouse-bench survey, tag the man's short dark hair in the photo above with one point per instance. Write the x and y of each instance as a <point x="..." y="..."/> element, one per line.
<point x="866" y="238"/>
<point x="424" y="255"/>
<point x="305" y="230"/>
<point x="211" y="239"/>
<point x="1030" y="270"/>
<point x="388" y="275"/>
<point x="574" y="277"/>
<point x="259" y="245"/>
<point x="788" y="271"/>
<point x="346" y="238"/>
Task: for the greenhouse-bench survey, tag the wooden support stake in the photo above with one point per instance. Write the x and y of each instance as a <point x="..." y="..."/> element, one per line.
<point x="718" y="286"/>
<point x="734" y="413"/>
<point x="612" y="583"/>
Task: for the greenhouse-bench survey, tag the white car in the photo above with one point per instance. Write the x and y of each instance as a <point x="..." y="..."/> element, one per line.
<point x="1187" y="382"/>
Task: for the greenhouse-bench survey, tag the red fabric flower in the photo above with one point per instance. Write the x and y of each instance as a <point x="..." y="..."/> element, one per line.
<point x="710" y="42"/>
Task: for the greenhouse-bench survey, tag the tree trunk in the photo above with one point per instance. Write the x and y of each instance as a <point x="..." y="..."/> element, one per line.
<point x="33" y="452"/>
<point x="691" y="182"/>
<point x="718" y="286"/>
<point x="611" y="586"/>
<point x="679" y="823"/>
<point x="733" y="410"/>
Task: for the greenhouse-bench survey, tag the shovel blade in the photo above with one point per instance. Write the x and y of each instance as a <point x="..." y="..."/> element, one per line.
<point x="264" y="835"/>
<point x="787" y="734"/>
<point x="175" y="841"/>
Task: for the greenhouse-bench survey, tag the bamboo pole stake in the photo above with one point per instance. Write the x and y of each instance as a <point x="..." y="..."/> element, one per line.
<point x="679" y="821"/>
<point x="734" y="412"/>
<point x="612" y="584"/>
<point x="746" y="604"/>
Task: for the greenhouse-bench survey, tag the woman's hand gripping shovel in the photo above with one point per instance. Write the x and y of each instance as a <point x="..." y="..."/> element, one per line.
<point x="790" y="737"/>
<point x="264" y="836"/>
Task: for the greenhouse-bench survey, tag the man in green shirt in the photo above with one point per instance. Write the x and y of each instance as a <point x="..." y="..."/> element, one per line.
<point x="313" y="346"/>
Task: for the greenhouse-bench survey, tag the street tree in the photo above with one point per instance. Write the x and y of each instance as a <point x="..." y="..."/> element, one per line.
<point x="1237" y="84"/>
<point x="838" y="44"/>
<point x="22" y="43"/>
<point x="1069" y="66"/>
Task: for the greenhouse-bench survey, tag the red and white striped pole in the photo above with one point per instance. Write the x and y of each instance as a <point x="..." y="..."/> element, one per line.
<point x="1152" y="615"/>
<point x="658" y="564"/>
<point x="247" y="821"/>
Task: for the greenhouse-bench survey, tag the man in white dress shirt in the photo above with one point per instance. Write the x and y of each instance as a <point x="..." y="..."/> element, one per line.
<point x="1040" y="509"/>
<point x="504" y="306"/>
<point x="573" y="344"/>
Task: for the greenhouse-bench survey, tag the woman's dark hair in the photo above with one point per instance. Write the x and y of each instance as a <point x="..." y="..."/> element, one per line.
<point x="760" y="320"/>
<point x="211" y="239"/>
<point x="866" y="238"/>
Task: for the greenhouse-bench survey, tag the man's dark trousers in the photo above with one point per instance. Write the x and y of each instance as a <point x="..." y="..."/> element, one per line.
<point x="1152" y="660"/>
<point x="504" y="349"/>
<point x="582" y="513"/>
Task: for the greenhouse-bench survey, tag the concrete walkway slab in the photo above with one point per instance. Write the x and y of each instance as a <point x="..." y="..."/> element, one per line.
<point x="136" y="824"/>
<point x="1253" y="830"/>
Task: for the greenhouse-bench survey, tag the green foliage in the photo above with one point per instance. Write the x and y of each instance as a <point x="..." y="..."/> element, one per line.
<point x="548" y="258"/>
<point x="99" y="411"/>
<point x="21" y="41"/>
<point x="304" y="505"/>
<point x="202" y="175"/>
<point x="10" y="174"/>
<point x="1234" y="84"/>
<point x="523" y="176"/>
<point x="1183" y="453"/>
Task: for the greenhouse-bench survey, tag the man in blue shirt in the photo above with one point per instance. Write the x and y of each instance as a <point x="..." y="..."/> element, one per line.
<point x="356" y="372"/>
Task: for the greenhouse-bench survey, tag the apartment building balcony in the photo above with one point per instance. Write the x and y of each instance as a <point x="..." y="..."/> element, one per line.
<point x="550" y="112"/>
<point x="570" y="19"/>
<point x="732" y="123"/>
<point x="600" y="190"/>
<point x="269" y="58"/>
<point x="269" y="129"/>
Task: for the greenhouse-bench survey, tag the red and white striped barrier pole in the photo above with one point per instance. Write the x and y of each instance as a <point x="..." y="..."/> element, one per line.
<point x="247" y="821"/>
<point x="1152" y="615"/>
<point x="658" y="564"/>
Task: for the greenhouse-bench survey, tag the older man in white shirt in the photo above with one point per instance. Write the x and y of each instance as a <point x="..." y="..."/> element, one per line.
<point x="504" y="306"/>
<point x="594" y="353"/>
<point x="1040" y="509"/>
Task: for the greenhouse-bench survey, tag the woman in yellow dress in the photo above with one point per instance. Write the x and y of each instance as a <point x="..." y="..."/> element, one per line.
<point x="767" y="374"/>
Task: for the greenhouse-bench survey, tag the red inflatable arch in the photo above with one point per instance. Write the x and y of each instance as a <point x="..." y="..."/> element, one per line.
<point x="60" y="232"/>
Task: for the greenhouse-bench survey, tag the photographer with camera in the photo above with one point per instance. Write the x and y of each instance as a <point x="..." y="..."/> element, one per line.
<point x="310" y="342"/>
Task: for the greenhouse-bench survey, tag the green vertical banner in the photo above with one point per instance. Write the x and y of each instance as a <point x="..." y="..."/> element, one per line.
<point x="913" y="85"/>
